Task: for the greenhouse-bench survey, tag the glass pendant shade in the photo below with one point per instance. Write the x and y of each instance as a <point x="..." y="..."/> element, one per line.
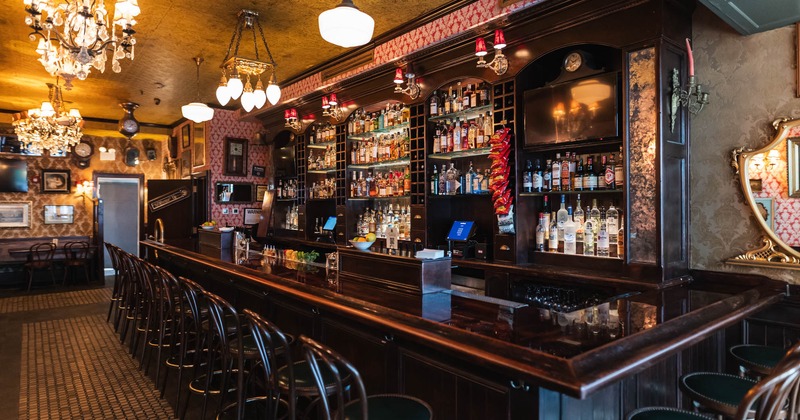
<point x="197" y="112"/>
<point x="346" y="26"/>
<point x="223" y="96"/>
<point x="248" y="100"/>
<point x="260" y="98"/>
<point x="273" y="93"/>
<point x="480" y="47"/>
<point x="235" y="87"/>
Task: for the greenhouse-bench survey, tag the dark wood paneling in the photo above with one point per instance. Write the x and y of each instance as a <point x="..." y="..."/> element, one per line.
<point x="374" y="356"/>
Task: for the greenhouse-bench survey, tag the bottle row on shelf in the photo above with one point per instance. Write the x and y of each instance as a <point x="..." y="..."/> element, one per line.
<point x="364" y="122"/>
<point x="322" y="161"/>
<point x="286" y="190"/>
<point x="574" y="173"/>
<point x="458" y="135"/>
<point x="378" y="220"/>
<point x="292" y="218"/>
<point x="460" y="98"/>
<point x="381" y="148"/>
<point x="380" y="184"/>
<point x="322" y="189"/>
<point x="452" y="181"/>
<point x="325" y="133"/>
<point x="594" y="232"/>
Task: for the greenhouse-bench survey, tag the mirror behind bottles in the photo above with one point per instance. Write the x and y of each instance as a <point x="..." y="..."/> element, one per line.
<point x="769" y="179"/>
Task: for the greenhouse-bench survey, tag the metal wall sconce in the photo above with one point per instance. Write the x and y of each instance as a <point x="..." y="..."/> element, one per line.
<point x="290" y="115"/>
<point x="412" y="89"/>
<point x="330" y="107"/>
<point x="691" y="96"/>
<point x="500" y="63"/>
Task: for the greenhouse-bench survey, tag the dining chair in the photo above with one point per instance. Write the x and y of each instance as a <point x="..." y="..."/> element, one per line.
<point x="40" y="257"/>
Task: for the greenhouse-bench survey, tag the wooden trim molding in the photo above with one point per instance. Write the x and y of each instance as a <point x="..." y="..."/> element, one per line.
<point x="797" y="59"/>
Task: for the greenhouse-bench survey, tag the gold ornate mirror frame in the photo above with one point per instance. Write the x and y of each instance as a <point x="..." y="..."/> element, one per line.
<point x="773" y="252"/>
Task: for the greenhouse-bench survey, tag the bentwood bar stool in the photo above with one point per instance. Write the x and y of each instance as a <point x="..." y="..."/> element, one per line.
<point x="40" y="258"/>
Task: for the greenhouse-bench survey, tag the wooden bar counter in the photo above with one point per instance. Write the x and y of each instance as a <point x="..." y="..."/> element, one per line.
<point x="476" y="357"/>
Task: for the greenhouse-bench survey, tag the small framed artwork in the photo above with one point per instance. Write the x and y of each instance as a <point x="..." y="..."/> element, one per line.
<point x="15" y="214"/>
<point x="235" y="155"/>
<point x="186" y="135"/>
<point x="260" y="191"/>
<point x="756" y="185"/>
<point x="55" y="181"/>
<point x="58" y="215"/>
<point x="766" y="210"/>
<point x="259" y="171"/>
<point x="186" y="164"/>
<point x="252" y="216"/>
<point x="199" y="145"/>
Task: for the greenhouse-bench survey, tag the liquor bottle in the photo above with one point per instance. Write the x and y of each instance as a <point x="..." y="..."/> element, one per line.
<point x="570" y="228"/>
<point x="573" y="166"/>
<point x="540" y="233"/>
<point x="588" y="238"/>
<point x="457" y="135"/>
<point x="468" y="179"/>
<point x="477" y="182"/>
<point x="552" y="241"/>
<point x="561" y="218"/>
<point x="589" y="177"/>
<point x="464" y="135"/>
<point x="621" y="240"/>
<point x="566" y="181"/>
<point x="612" y="222"/>
<point x="602" y="238"/>
<point x="610" y="173"/>
<point x="279" y="189"/>
<point x="484" y="89"/>
<point x="594" y="216"/>
<point x="480" y="132"/>
<point x="354" y="185"/>
<point x="547" y="177"/>
<point x="448" y="101"/>
<point x="577" y="178"/>
<point x="457" y="100"/>
<point x="465" y="97"/>
<point x="381" y="120"/>
<point x="546" y="211"/>
<point x="472" y="134"/>
<point x="443" y="139"/>
<point x="473" y="96"/>
<point x="579" y="214"/>
<point x="579" y="221"/>
<point x="434" y="106"/>
<point x="619" y="175"/>
<point x="485" y="180"/>
<point x="536" y="176"/>
<point x="488" y="128"/>
<point x="555" y="177"/>
<point x="527" y="177"/>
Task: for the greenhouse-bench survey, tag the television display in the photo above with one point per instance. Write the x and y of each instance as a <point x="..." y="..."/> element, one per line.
<point x="13" y="175"/>
<point x="461" y="230"/>
<point x="577" y="110"/>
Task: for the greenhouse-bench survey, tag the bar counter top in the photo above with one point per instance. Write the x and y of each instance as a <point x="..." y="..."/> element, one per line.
<point x="568" y="352"/>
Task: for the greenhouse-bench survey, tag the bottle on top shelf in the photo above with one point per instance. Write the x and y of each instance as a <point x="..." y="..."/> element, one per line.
<point x="574" y="172"/>
<point x="322" y="161"/>
<point x="380" y="148"/>
<point x="322" y="134"/>
<point x="379" y="184"/>
<point x="461" y="97"/>
<point x="364" y="122"/>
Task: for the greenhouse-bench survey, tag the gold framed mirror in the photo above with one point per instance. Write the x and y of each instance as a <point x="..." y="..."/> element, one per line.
<point x="770" y="182"/>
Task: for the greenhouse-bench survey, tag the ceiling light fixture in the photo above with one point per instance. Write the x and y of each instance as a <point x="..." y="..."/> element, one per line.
<point x="49" y="127"/>
<point x="500" y="63"/>
<point x="75" y="35"/>
<point x="346" y="26"/>
<point x="330" y="107"/>
<point x="291" y="119"/>
<point x="236" y="67"/>
<point x="197" y="111"/>
<point x="413" y="89"/>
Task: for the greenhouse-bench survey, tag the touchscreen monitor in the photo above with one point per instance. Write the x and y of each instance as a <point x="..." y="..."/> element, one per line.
<point x="461" y="230"/>
<point x="330" y="223"/>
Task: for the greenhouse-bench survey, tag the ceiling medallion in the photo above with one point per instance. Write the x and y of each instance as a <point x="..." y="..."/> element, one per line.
<point x="75" y="35"/>
<point x="49" y="127"/>
<point x="235" y="67"/>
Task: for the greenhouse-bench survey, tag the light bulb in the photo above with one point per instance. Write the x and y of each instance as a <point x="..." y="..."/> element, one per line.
<point x="235" y="87"/>
<point x="260" y="97"/>
<point x="248" y="100"/>
<point x="223" y="95"/>
<point x="273" y="93"/>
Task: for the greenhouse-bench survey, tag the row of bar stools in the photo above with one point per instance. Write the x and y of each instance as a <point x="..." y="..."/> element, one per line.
<point x="776" y="396"/>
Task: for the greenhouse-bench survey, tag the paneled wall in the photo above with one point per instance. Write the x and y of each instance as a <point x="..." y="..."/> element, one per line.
<point x="752" y="82"/>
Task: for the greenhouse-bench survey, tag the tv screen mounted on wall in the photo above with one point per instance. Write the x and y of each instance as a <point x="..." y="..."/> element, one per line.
<point x="13" y="175"/>
<point x="582" y="109"/>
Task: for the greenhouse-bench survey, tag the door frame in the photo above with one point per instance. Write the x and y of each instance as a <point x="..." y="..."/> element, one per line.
<point x="99" y="214"/>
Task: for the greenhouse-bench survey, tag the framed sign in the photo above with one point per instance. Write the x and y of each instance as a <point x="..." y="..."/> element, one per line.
<point x="235" y="155"/>
<point x="260" y="191"/>
<point x="186" y="164"/>
<point x="59" y="215"/>
<point x="765" y="209"/>
<point x="259" y="171"/>
<point x="199" y="145"/>
<point x="15" y="214"/>
<point x="55" y="181"/>
<point x="252" y="216"/>
<point x="186" y="136"/>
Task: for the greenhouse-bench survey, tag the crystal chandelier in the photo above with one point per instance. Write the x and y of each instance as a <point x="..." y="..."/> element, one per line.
<point x="49" y="127"/>
<point x="75" y="35"/>
<point x="235" y="67"/>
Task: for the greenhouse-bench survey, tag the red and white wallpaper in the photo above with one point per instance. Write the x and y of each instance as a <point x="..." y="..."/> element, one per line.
<point x="785" y="210"/>
<point x="226" y="124"/>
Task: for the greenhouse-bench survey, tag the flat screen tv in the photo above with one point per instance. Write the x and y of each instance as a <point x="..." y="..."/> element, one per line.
<point x="13" y="175"/>
<point x="582" y="109"/>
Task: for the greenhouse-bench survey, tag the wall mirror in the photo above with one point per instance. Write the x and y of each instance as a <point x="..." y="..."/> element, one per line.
<point x="769" y="177"/>
<point x="233" y="192"/>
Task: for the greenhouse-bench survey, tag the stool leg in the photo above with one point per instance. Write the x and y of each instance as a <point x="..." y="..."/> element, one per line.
<point x="30" y="280"/>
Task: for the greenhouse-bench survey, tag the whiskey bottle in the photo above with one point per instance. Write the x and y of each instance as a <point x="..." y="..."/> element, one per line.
<point x="577" y="178"/>
<point x="448" y="102"/>
<point x="555" y="177"/>
<point x="527" y="177"/>
<point x="619" y="175"/>
<point x="484" y="92"/>
<point x="610" y="173"/>
<point x="540" y="233"/>
<point x="547" y="177"/>
<point x="621" y="240"/>
<point x="566" y="181"/>
<point x="536" y="176"/>
<point x="434" y="105"/>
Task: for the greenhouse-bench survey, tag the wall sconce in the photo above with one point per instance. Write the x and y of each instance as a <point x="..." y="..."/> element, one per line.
<point x="107" y="153"/>
<point x="500" y="63"/>
<point x="773" y="158"/>
<point x="85" y="190"/>
<point x="290" y="115"/>
<point x="757" y="161"/>
<point x="330" y="107"/>
<point x="691" y="96"/>
<point x="412" y="89"/>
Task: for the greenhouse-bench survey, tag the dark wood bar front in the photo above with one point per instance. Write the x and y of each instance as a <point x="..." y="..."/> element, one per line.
<point x="483" y="357"/>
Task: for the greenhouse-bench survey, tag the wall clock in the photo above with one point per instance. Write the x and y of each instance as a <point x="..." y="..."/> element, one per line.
<point x="82" y="152"/>
<point x="573" y="61"/>
<point x="235" y="157"/>
<point x="128" y="125"/>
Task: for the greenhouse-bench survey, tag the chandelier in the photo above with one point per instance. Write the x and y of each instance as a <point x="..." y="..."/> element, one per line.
<point x="236" y="67"/>
<point x="49" y="127"/>
<point x="197" y="111"/>
<point x="345" y="25"/>
<point x="75" y="35"/>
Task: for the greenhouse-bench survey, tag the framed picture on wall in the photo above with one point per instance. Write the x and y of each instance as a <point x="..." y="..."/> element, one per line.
<point x="186" y="136"/>
<point x="15" y="214"/>
<point x="58" y="215"/>
<point x="186" y="164"/>
<point x="199" y="145"/>
<point x="55" y="181"/>
<point x="259" y="171"/>
<point x="235" y="157"/>
<point x="252" y="216"/>
<point x="766" y="210"/>
<point x="260" y="191"/>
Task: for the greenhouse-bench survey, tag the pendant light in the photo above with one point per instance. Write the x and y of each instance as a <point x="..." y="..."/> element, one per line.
<point x="197" y="111"/>
<point x="346" y="26"/>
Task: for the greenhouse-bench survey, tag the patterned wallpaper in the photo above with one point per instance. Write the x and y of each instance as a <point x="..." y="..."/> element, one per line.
<point x="751" y="80"/>
<point x="82" y="225"/>
<point x="775" y="185"/>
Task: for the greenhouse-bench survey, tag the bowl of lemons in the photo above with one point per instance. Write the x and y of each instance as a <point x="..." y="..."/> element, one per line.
<point x="363" y="242"/>
<point x="209" y="225"/>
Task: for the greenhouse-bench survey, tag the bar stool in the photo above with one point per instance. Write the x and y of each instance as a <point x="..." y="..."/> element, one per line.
<point x="375" y="407"/>
<point x="273" y="351"/>
<point x="114" y="257"/>
<point x="40" y="257"/>
<point x="756" y="359"/>
<point x="77" y="254"/>
<point x="774" y="397"/>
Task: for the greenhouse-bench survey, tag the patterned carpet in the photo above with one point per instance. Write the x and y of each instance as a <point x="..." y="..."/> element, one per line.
<point x="54" y="300"/>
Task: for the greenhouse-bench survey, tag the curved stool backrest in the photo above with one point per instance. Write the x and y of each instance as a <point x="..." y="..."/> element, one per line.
<point x="77" y="250"/>
<point x="317" y="355"/>
<point x="221" y="335"/>
<point x="773" y="392"/>
<point x="42" y="252"/>
<point x="274" y="352"/>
